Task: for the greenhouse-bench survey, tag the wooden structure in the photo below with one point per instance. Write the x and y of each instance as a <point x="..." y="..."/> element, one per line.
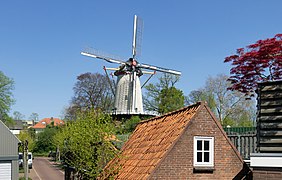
<point x="269" y="119"/>
<point x="267" y="163"/>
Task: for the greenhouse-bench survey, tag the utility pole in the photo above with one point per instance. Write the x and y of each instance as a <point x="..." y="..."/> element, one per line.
<point x="25" y="164"/>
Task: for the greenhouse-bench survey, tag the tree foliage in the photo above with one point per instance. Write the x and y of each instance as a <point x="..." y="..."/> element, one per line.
<point x="129" y="125"/>
<point x="163" y="96"/>
<point x="45" y="142"/>
<point x="6" y="99"/>
<point x="258" y="62"/>
<point x="86" y="143"/>
<point x="91" y="91"/>
<point x="29" y="136"/>
<point x="170" y="99"/>
<point x="231" y="107"/>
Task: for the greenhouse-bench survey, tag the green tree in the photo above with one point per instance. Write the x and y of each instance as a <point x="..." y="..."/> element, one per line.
<point x="170" y="99"/>
<point x="45" y="142"/>
<point x="163" y="96"/>
<point x="27" y="135"/>
<point x="86" y="143"/>
<point x="6" y="100"/>
<point x="129" y="125"/>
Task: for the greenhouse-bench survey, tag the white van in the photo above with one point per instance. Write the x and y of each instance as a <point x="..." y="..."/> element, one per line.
<point x="29" y="161"/>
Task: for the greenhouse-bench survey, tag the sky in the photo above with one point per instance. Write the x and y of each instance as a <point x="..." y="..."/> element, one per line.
<point x="41" y="41"/>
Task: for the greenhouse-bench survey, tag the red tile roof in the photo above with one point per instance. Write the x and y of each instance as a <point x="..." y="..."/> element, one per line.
<point x="150" y="142"/>
<point x="46" y="121"/>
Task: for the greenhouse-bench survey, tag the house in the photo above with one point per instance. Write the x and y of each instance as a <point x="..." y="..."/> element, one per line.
<point x="267" y="162"/>
<point x="9" y="166"/>
<point x="28" y="123"/>
<point x="20" y="125"/>
<point x="41" y="125"/>
<point x="188" y="143"/>
<point x="16" y="127"/>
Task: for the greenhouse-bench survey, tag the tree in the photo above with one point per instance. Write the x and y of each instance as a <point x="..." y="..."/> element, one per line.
<point x="86" y="143"/>
<point x="29" y="136"/>
<point x="18" y="116"/>
<point x="45" y="142"/>
<point x="129" y="125"/>
<point x="231" y="107"/>
<point x="170" y="99"/>
<point x="34" y="117"/>
<point x="6" y="100"/>
<point x="258" y="62"/>
<point x="91" y="91"/>
<point x="201" y="94"/>
<point x="163" y="97"/>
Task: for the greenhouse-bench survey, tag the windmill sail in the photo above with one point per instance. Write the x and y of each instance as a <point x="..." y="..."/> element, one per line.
<point x="96" y="54"/>
<point x="156" y="68"/>
<point x="137" y="37"/>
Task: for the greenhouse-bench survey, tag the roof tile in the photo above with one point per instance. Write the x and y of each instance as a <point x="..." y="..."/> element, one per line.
<point x="151" y="141"/>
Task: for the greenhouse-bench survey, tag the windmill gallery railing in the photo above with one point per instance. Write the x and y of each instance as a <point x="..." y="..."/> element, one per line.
<point x="244" y="139"/>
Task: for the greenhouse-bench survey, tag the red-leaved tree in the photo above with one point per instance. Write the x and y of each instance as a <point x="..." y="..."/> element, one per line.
<point x="256" y="63"/>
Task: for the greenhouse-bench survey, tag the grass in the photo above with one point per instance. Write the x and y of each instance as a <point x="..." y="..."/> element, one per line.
<point x="22" y="178"/>
<point x="21" y="170"/>
<point x="44" y="154"/>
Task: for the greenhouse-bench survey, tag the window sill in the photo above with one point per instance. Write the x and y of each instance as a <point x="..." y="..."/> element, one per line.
<point x="203" y="169"/>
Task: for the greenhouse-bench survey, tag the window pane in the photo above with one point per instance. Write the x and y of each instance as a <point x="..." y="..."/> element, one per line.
<point x="199" y="145"/>
<point x="206" y="145"/>
<point x="199" y="157"/>
<point x="206" y="157"/>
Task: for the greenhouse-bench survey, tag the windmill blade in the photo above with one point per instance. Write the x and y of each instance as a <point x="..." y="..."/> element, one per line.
<point x="98" y="55"/>
<point x="156" y="68"/>
<point x="137" y="37"/>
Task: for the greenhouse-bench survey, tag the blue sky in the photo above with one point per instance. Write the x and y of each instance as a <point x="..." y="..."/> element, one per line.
<point x="40" y="41"/>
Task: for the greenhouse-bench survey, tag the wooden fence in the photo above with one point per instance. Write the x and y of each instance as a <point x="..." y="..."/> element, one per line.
<point x="244" y="139"/>
<point x="245" y="144"/>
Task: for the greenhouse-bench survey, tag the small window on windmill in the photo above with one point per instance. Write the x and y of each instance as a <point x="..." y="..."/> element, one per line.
<point x="125" y="97"/>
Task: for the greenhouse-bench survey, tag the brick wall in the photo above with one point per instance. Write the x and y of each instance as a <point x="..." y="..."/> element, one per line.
<point x="178" y="164"/>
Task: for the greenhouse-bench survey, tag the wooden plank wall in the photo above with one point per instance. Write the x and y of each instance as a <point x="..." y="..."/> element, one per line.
<point x="269" y="119"/>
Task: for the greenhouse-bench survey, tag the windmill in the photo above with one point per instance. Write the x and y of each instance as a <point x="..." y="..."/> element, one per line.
<point x="128" y="95"/>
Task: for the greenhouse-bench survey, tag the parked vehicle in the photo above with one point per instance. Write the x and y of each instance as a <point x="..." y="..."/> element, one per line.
<point x="21" y="159"/>
<point x="29" y="160"/>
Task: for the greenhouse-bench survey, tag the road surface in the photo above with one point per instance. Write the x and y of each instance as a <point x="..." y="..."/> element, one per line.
<point x="43" y="169"/>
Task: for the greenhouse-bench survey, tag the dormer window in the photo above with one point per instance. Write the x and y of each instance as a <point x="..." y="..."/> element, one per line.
<point x="203" y="151"/>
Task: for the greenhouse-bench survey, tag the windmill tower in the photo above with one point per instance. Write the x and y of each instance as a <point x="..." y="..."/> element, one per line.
<point x="128" y="95"/>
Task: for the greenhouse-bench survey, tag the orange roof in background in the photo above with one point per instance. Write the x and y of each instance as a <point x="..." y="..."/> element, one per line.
<point x="46" y="121"/>
<point x="151" y="141"/>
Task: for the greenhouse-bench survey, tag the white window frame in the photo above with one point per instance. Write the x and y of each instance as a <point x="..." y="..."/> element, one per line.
<point x="211" y="151"/>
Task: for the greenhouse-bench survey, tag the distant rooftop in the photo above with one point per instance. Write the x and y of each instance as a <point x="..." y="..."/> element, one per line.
<point x="46" y="121"/>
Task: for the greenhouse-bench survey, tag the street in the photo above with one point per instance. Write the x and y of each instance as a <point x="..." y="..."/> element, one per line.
<point x="43" y="169"/>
